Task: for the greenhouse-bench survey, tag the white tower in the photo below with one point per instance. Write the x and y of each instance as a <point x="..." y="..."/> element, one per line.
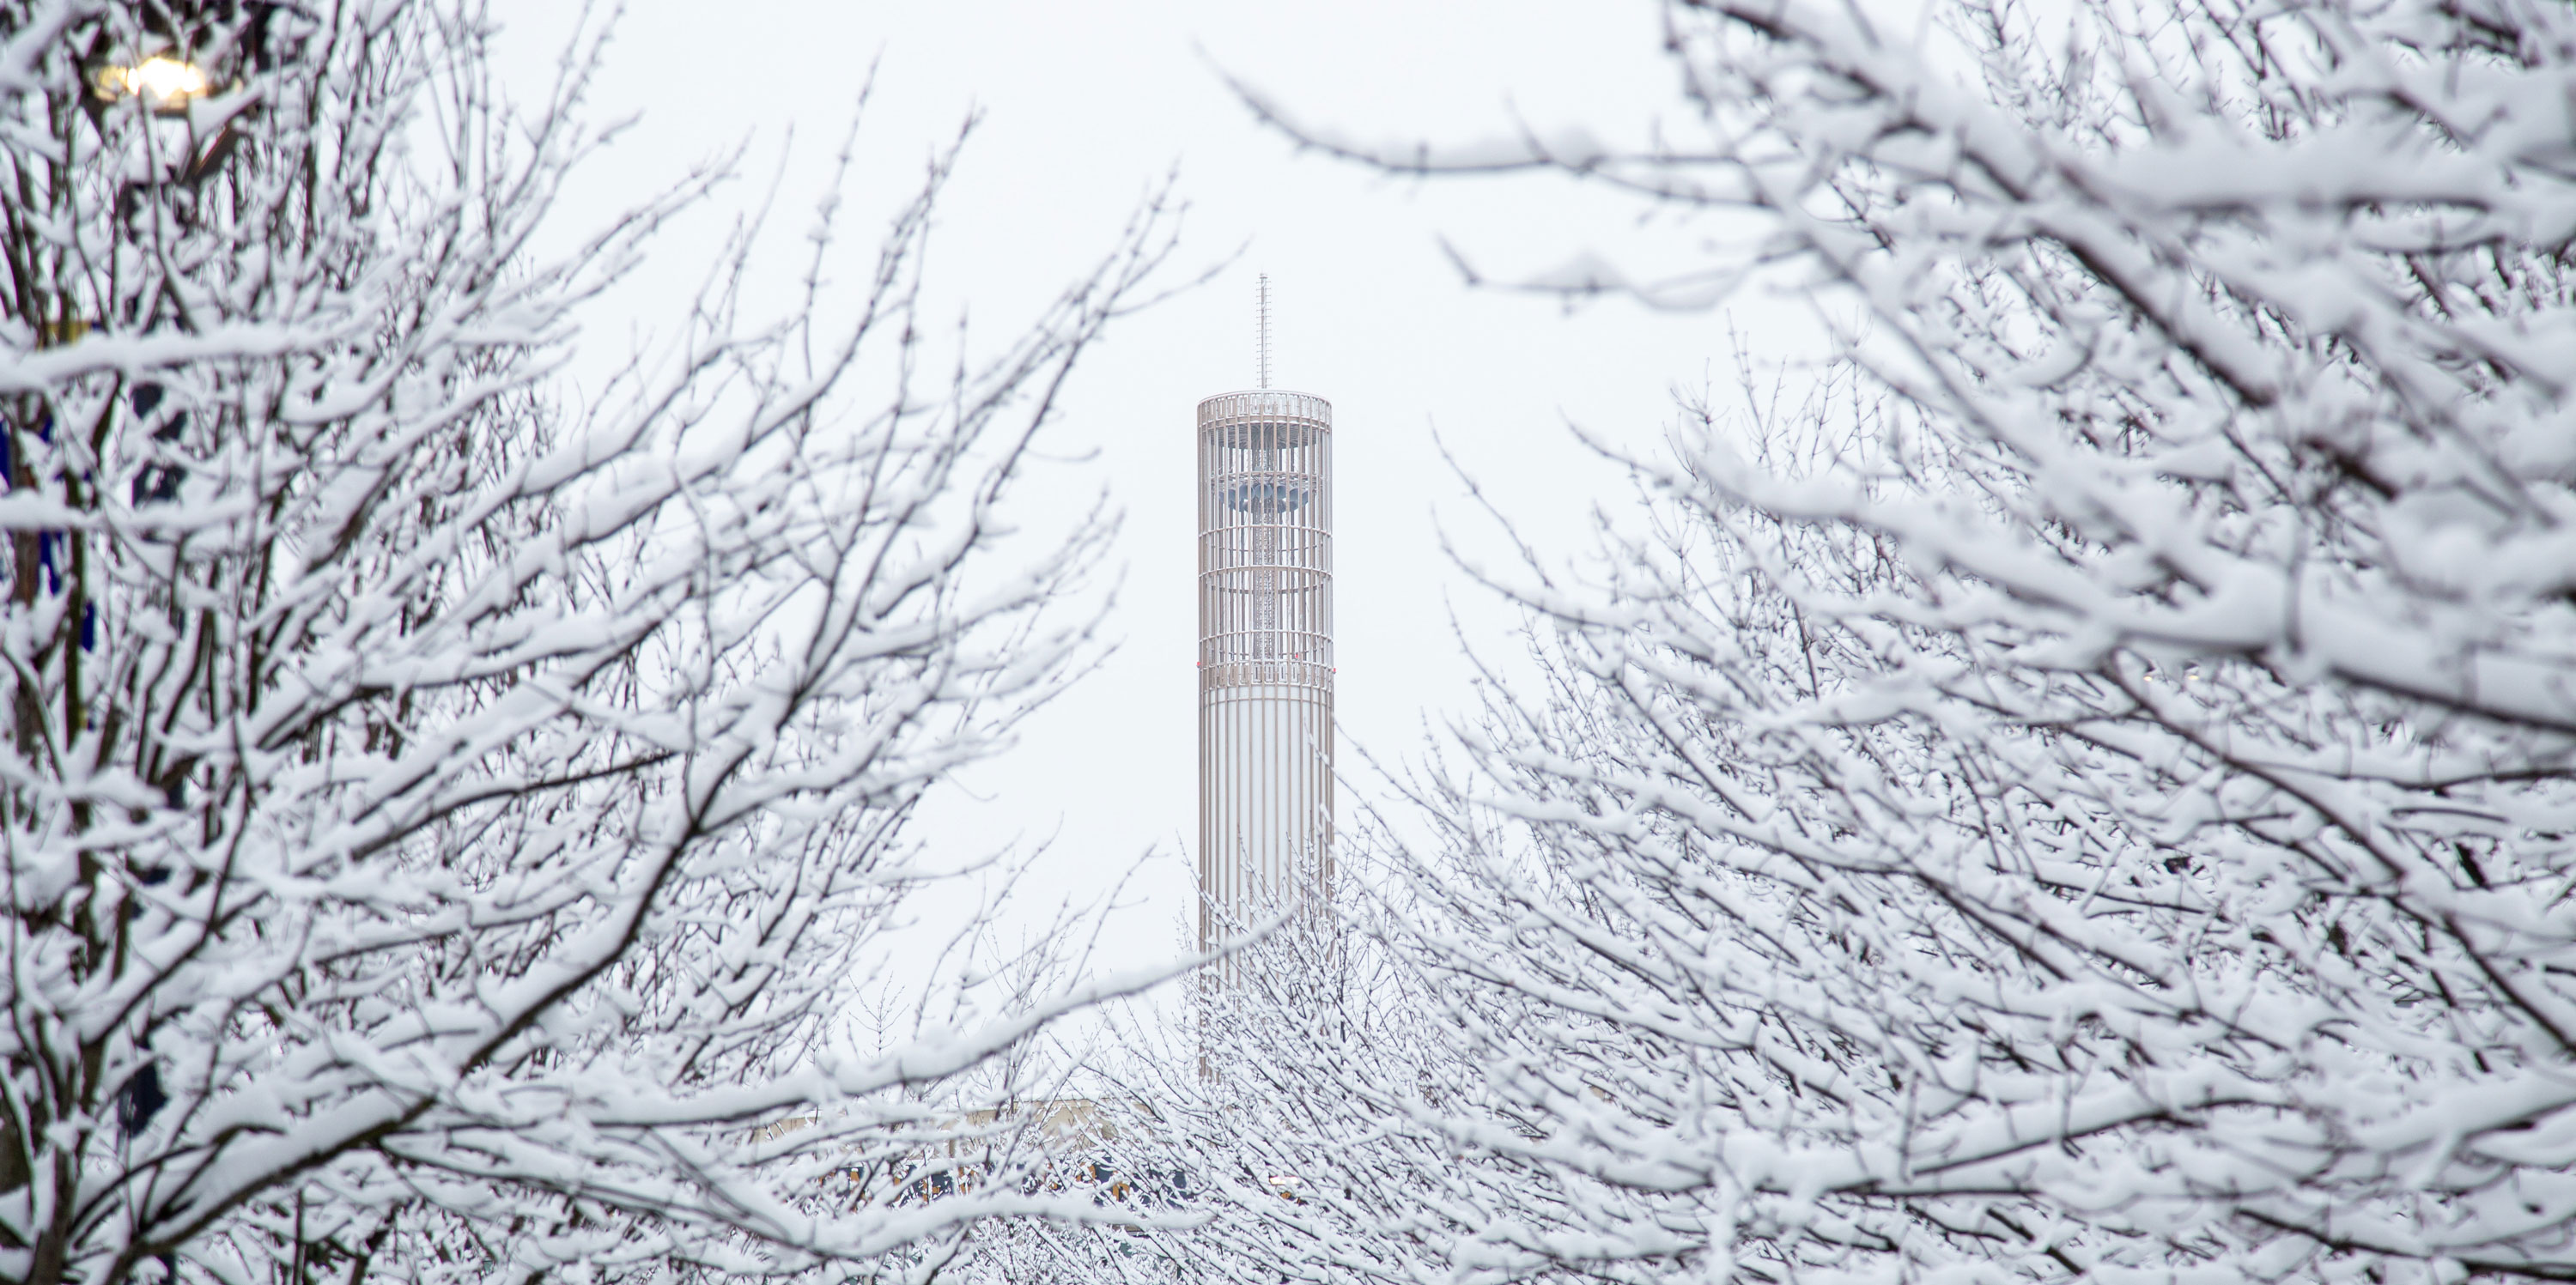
<point x="1265" y="663"/>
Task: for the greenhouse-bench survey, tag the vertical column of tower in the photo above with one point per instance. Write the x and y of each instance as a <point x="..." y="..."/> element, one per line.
<point x="1265" y="663"/>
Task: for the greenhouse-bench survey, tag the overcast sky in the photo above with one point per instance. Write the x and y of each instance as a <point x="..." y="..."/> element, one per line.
<point x="1087" y="107"/>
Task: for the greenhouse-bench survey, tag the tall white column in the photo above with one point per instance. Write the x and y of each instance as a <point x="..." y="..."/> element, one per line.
<point x="1265" y="659"/>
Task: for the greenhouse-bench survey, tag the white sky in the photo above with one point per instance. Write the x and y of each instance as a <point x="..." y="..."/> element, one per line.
<point x="1086" y="107"/>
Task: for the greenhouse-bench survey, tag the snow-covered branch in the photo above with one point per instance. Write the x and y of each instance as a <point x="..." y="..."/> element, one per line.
<point x="445" y="821"/>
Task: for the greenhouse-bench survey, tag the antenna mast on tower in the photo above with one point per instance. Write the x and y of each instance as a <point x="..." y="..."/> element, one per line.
<point x="1264" y="329"/>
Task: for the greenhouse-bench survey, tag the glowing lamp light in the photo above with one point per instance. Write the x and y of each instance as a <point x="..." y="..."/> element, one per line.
<point x="164" y="83"/>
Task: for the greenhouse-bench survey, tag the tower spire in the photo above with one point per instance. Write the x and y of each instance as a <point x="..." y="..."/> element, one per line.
<point x="1263" y="313"/>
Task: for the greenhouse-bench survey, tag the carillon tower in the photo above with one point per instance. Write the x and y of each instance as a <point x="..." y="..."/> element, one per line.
<point x="1265" y="662"/>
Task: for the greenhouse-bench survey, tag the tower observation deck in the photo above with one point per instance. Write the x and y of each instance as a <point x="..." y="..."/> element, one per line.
<point x="1265" y="657"/>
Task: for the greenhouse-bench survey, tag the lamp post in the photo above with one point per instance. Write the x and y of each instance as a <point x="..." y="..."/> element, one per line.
<point x="151" y="81"/>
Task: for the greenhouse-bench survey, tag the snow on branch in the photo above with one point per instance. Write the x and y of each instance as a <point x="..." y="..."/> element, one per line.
<point x="447" y="824"/>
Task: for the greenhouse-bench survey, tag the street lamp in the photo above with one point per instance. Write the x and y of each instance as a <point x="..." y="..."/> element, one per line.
<point x="167" y="84"/>
<point x="183" y="53"/>
<point x="164" y="83"/>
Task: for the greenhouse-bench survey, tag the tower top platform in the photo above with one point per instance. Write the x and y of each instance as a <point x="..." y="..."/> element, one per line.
<point x="1264" y="403"/>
